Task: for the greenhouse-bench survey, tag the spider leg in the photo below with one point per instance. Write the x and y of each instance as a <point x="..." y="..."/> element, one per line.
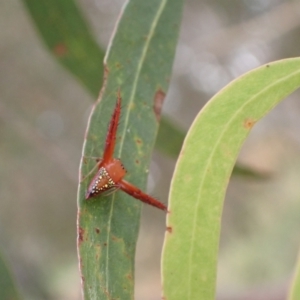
<point x="112" y="131"/>
<point x="111" y="191"/>
<point x="138" y="194"/>
<point x="90" y="172"/>
<point x="96" y="158"/>
<point x="110" y="138"/>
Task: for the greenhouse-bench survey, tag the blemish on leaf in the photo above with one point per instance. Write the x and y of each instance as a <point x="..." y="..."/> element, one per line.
<point x="137" y="161"/>
<point x="115" y="239"/>
<point x="97" y="230"/>
<point x="181" y="153"/>
<point x="106" y="71"/>
<point x="108" y="294"/>
<point x="139" y="141"/>
<point x="80" y="235"/>
<point x="158" y="102"/>
<point x="60" y="50"/>
<point x="98" y="251"/>
<point x="105" y="244"/>
<point x="105" y="75"/>
<point x="169" y="229"/>
<point x="249" y="123"/>
<point x="129" y="276"/>
<point x="267" y="66"/>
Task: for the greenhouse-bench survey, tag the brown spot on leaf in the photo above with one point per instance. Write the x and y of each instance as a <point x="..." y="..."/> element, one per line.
<point x="137" y="161"/>
<point x="115" y="238"/>
<point x="249" y="123"/>
<point x="139" y="141"/>
<point x="80" y="235"/>
<point x="158" y="102"/>
<point x="60" y="50"/>
<point x="97" y="230"/>
<point x="98" y="251"/>
<point x="108" y="294"/>
<point x="181" y="153"/>
<point x="106" y="72"/>
<point x="169" y="229"/>
<point x="105" y="244"/>
<point x="129" y="276"/>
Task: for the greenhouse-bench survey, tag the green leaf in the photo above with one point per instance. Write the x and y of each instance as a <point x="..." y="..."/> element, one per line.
<point x="138" y="63"/>
<point x="67" y="36"/>
<point x="202" y="174"/>
<point x="295" y="287"/>
<point x="8" y="290"/>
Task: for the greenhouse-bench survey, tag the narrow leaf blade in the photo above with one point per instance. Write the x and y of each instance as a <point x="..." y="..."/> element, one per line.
<point x="202" y="173"/>
<point x="68" y="38"/>
<point x="145" y="38"/>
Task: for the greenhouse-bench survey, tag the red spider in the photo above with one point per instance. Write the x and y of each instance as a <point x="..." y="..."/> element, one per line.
<point x="111" y="170"/>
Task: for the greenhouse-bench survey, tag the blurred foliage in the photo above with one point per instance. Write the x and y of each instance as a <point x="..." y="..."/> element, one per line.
<point x="8" y="290"/>
<point x="66" y="34"/>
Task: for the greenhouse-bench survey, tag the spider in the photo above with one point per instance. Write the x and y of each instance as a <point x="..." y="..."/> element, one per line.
<point x="111" y="171"/>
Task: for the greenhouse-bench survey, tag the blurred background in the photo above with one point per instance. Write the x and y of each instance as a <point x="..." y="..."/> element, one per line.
<point x="43" y="115"/>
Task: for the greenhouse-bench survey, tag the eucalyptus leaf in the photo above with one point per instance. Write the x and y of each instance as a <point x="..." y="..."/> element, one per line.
<point x="138" y="63"/>
<point x="203" y="171"/>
